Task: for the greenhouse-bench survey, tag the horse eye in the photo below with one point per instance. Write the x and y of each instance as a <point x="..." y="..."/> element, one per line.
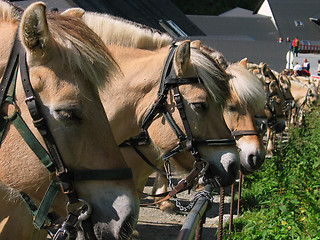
<point x="231" y="108"/>
<point x="198" y="106"/>
<point x="71" y="114"/>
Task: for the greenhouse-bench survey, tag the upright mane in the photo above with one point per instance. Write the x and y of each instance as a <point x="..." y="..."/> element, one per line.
<point x="118" y="31"/>
<point x="212" y="75"/>
<point x="247" y="86"/>
<point x="82" y="49"/>
<point x="9" y="12"/>
<point x="77" y="44"/>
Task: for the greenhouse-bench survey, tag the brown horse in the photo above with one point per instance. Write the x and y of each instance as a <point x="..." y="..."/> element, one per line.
<point x="246" y="99"/>
<point x="67" y="65"/>
<point x="203" y="88"/>
<point x="305" y="96"/>
<point x="278" y="100"/>
<point x="141" y="56"/>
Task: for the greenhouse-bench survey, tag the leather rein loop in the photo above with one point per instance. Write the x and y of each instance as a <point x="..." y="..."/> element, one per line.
<point x="51" y="157"/>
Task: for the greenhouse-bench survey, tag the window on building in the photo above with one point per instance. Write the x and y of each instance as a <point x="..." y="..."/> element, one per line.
<point x="298" y="23"/>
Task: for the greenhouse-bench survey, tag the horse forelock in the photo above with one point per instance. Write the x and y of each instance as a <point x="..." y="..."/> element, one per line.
<point x="82" y="49"/>
<point x="212" y="75"/>
<point x="247" y="87"/>
<point x="117" y="31"/>
<point x="9" y="12"/>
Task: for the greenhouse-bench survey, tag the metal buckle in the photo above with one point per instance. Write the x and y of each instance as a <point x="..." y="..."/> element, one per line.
<point x="29" y="99"/>
<point x="62" y="233"/>
<point x="82" y="209"/>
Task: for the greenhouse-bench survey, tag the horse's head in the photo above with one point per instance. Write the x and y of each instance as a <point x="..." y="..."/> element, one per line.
<point x="312" y="94"/>
<point x="196" y="89"/>
<point x="247" y="98"/>
<point x="285" y="85"/>
<point x="67" y="63"/>
<point x="275" y="100"/>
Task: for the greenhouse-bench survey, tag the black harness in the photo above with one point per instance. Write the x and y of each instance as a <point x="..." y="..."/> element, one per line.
<point x="78" y="210"/>
<point x="186" y="141"/>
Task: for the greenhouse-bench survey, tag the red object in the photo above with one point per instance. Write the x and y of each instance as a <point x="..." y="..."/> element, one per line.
<point x="304" y="72"/>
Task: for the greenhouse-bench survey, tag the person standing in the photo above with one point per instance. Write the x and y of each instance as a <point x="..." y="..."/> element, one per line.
<point x="306" y="65"/>
<point x="295" y="46"/>
<point x="297" y="69"/>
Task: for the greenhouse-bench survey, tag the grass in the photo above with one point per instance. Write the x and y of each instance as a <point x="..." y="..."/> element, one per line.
<point x="282" y="199"/>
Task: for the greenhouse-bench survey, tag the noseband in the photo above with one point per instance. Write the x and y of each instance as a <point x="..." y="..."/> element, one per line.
<point x="186" y="141"/>
<point x="78" y="209"/>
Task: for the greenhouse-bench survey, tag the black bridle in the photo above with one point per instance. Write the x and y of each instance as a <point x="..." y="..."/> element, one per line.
<point x="186" y="141"/>
<point x="78" y="210"/>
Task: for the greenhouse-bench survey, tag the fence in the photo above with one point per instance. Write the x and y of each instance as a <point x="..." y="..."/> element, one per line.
<point x="306" y="48"/>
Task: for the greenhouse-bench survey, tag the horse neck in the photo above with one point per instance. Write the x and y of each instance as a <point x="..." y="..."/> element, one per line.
<point x="129" y="97"/>
<point x="7" y="31"/>
<point x="141" y="170"/>
<point x="298" y="91"/>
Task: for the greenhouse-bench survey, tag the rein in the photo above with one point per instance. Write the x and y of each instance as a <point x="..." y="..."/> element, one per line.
<point x="186" y="141"/>
<point x="78" y="209"/>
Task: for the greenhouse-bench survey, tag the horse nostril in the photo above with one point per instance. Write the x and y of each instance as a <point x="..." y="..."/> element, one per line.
<point x="254" y="161"/>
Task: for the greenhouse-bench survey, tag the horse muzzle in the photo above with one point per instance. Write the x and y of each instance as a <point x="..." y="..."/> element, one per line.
<point x="225" y="173"/>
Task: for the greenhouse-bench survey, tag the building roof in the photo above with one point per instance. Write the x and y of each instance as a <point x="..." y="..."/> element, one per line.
<point x="270" y="52"/>
<point x="236" y="34"/>
<point x="293" y="18"/>
<point x="252" y="29"/>
<point x="238" y="12"/>
<point x="147" y="12"/>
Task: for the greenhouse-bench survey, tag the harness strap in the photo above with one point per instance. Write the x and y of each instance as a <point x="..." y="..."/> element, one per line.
<point x="179" y="187"/>
<point x="183" y="115"/>
<point x="244" y="132"/>
<point x="41" y="124"/>
<point x="40" y="215"/>
<point x="130" y="143"/>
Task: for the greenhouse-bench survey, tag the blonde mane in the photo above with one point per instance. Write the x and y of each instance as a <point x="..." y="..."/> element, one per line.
<point x="78" y="45"/>
<point x="117" y="31"/>
<point x="247" y="86"/>
<point x="82" y="49"/>
<point x="212" y="75"/>
<point x="9" y="12"/>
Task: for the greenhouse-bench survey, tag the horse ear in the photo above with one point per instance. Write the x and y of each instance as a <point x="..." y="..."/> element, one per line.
<point x="243" y="62"/>
<point x="34" y="31"/>
<point x="264" y="68"/>
<point x="74" y="12"/>
<point x="182" y="58"/>
<point x="273" y="86"/>
<point x="195" y="44"/>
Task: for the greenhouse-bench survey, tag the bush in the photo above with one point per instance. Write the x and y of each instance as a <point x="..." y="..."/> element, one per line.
<point x="282" y="200"/>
